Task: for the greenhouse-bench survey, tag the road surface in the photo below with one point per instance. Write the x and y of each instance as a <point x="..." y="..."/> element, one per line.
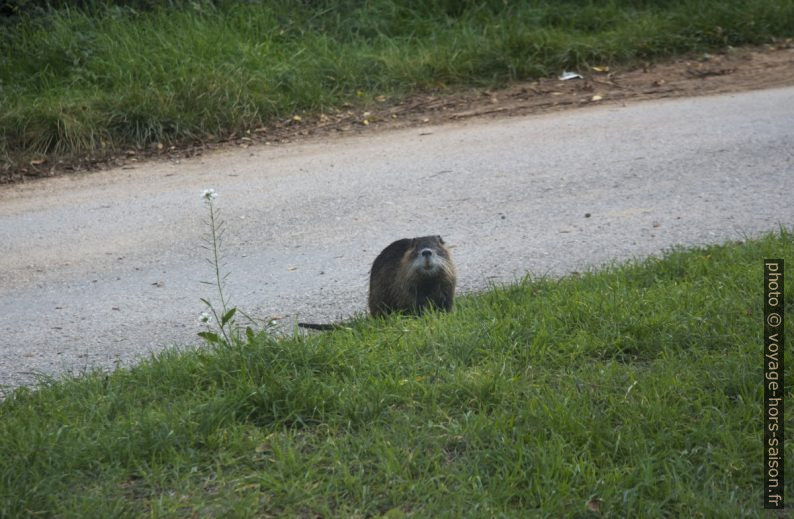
<point x="102" y="269"/>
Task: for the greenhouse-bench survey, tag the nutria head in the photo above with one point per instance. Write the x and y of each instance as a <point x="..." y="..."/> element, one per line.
<point x="426" y="257"/>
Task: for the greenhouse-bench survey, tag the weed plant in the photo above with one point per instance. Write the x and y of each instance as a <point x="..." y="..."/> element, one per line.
<point x="223" y="317"/>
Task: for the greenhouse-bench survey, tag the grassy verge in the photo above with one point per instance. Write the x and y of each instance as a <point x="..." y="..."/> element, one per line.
<point x="92" y="80"/>
<point x="635" y="387"/>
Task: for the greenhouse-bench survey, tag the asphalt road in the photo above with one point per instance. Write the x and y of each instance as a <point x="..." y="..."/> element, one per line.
<point x="102" y="269"/>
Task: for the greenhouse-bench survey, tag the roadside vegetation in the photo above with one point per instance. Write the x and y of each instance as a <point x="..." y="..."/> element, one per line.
<point x="94" y="77"/>
<point x="631" y="391"/>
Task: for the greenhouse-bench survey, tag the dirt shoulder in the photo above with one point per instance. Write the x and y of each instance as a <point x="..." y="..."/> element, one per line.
<point x="734" y="70"/>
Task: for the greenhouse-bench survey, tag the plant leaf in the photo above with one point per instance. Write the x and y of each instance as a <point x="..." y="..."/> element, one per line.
<point x="228" y="316"/>
<point x="210" y="337"/>
<point x="249" y="333"/>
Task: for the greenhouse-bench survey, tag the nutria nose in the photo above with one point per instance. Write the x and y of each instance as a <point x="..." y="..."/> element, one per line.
<point x="427" y="253"/>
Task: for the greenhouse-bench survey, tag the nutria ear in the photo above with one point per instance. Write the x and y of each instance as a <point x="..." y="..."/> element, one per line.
<point x="440" y="239"/>
<point x="413" y="241"/>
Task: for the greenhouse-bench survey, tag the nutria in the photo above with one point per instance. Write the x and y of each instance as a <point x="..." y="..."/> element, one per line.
<point x="408" y="276"/>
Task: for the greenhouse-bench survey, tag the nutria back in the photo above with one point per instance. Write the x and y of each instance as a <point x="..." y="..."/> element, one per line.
<point x="411" y="274"/>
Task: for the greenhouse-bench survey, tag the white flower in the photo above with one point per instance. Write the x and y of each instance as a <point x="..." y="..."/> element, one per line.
<point x="209" y="194"/>
<point x="204" y="318"/>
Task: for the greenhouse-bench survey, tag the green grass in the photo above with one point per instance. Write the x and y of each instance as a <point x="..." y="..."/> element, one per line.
<point x="639" y="385"/>
<point x="89" y="81"/>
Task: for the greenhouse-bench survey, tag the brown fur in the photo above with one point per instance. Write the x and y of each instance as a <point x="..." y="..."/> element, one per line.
<point x="398" y="284"/>
<point x="399" y="281"/>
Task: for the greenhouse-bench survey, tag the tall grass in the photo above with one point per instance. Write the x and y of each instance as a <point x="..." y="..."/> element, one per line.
<point x="635" y="388"/>
<point x="107" y="76"/>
